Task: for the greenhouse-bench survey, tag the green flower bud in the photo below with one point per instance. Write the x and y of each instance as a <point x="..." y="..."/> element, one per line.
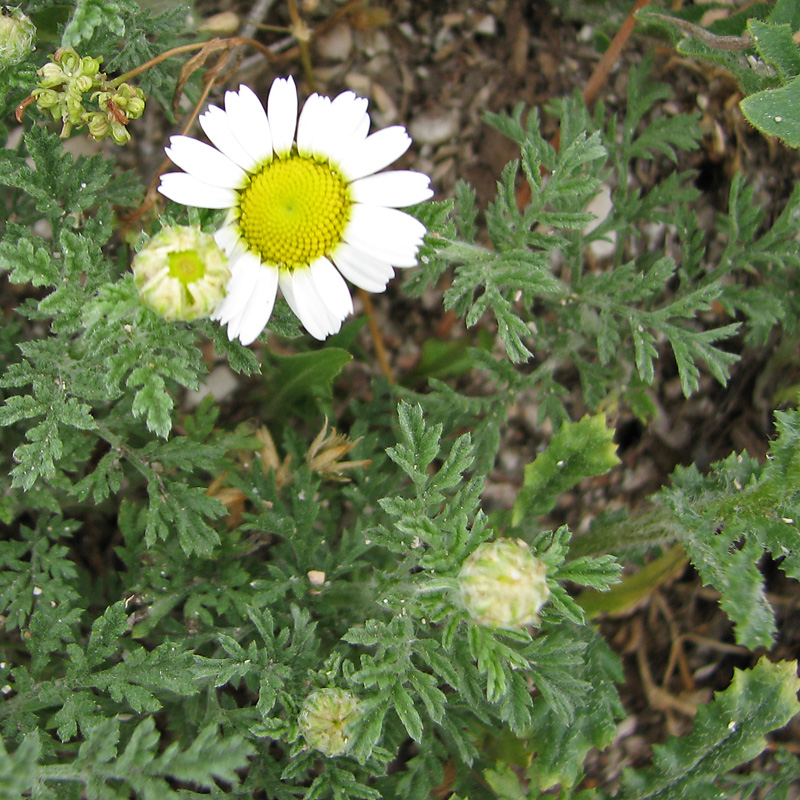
<point x="98" y="125"/>
<point x="69" y="60"/>
<point x="46" y="99"/>
<point x="181" y="273"/>
<point x="135" y="108"/>
<point x="72" y="108"/>
<point x="16" y="36"/>
<point x="90" y="67"/>
<point x="51" y="75"/>
<point x="326" y="718"/>
<point x="130" y="100"/>
<point x="119" y="133"/>
<point x="503" y="585"/>
<point x="82" y="83"/>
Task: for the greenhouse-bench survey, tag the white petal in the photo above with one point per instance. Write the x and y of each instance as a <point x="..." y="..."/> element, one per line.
<point x="312" y="123"/>
<point x="361" y="269"/>
<point x="248" y="122"/>
<point x="205" y="162"/>
<point x="244" y="275"/>
<point x="351" y="113"/>
<point x="190" y="191"/>
<point x="361" y="130"/>
<point x="318" y="296"/>
<point x="333" y="290"/>
<point x="282" y="113"/>
<point x="376" y="152"/>
<point x="228" y="239"/>
<point x="254" y="318"/>
<point x="346" y="127"/>
<point x="216" y="124"/>
<point x="385" y="234"/>
<point x="394" y="189"/>
<point x="287" y="281"/>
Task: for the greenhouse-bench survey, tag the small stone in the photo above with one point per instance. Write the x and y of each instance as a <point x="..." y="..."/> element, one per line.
<point x="433" y="127"/>
<point x="336" y="44"/>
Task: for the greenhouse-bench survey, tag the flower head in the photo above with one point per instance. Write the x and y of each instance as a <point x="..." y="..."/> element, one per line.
<point x="16" y="36"/>
<point x="503" y="585"/>
<point x="326" y="718"/>
<point x="306" y="207"/>
<point x="181" y="273"/>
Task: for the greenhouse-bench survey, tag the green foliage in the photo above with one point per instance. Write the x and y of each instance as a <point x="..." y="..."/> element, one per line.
<point x="726" y="733"/>
<point x="758" y="47"/>
<point x="176" y="581"/>
<point x="578" y="450"/>
<point x="731" y="516"/>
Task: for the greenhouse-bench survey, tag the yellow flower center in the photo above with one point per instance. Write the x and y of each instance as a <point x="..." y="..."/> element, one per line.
<point x="293" y="211"/>
<point x="186" y="266"/>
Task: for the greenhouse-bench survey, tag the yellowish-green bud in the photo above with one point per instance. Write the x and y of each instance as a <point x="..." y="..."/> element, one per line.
<point x="69" y="60"/>
<point x="503" y="585"/>
<point x="90" y="67"/>
<point x="82" y="83"/>
<point x="181" y="273"/>
<point x="135" y="108"/>
<point x="51" y="75"/>
<point x="16" y="36"/>
<point x="46" y="99"/>
<point x="97" y="122"/>
<point x="326" y="719"/>
<point x="119" y="133"/>
<point x="130" y="99"/>
<point x="73" y="106"/>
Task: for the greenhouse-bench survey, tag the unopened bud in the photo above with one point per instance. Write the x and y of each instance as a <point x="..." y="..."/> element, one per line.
<point x="326" y="719"/>
<point x="82" y="83"/>
<point x="181" y="273"/>
<point x="119" y="134"/>
<point x="46" y="99"/>
<point x="69" y="60"/>
<point x="51" y="75"/>
<point x="90" y="67"/>
<point x="16" y="36"/>
<point x="97" y="123"/>
<point x="503" y="585"/>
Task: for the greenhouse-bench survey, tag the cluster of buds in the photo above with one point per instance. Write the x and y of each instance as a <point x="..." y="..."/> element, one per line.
<point x="16" y="36"/>
<point x="503" y="585"/>
<point x="64" y="83"/>
<point x="181" y="273"/>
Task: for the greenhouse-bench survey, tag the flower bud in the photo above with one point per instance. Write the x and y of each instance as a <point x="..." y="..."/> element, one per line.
<point x="326" y="718"/>
<point x="82" y="83"/>
<point x="135" y="108"/>
<point x="16" y="36"/>
<point x="47" y="99"/>
<point x="119" y="133"/>
<point x="69" y="60"/>
<point x="181" y="273"/>
<point x="51" y="75"/>
<point x="503" y="585"/>
<point x="97" y="123"/>
<point x="90" y="67"/>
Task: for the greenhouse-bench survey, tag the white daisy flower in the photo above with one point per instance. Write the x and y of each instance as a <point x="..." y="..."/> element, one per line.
<point x="306" y="210"/>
